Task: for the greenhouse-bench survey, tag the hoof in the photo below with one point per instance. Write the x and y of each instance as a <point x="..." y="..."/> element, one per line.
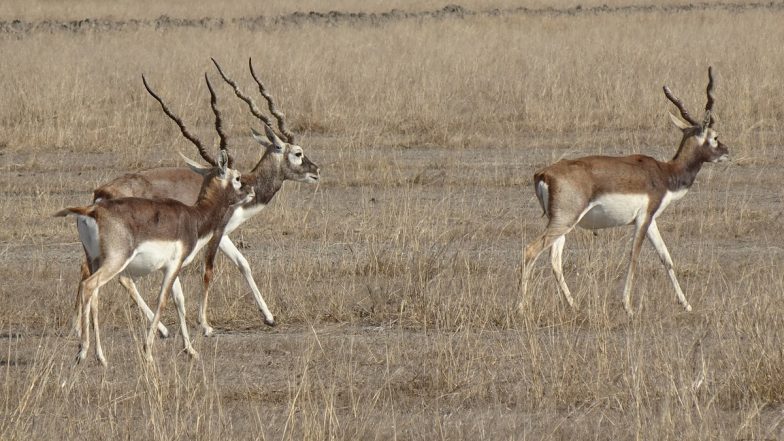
<point x="208" y="331"/>
<point x="271" y="323"/>
<point x="163" y="333"/>
<point x="688" y="308"/>
<point x="102" y="360"/>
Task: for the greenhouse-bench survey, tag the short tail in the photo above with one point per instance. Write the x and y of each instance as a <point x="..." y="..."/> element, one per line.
<point x="78" y="211"/>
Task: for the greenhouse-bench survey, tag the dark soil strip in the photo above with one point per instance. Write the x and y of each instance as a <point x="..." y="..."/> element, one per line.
<point x="165" y="22"/>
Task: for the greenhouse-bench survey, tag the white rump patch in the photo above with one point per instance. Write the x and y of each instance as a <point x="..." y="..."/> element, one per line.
<point x="613" y="210"/>
<point x="543" y="194"/>
<point x="88" y="235"/>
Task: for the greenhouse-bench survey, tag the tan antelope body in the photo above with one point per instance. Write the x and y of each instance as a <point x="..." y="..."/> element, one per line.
<point x="280" y="161"/>
<point x="596" y="192"/>
<point x="134" y="237"/>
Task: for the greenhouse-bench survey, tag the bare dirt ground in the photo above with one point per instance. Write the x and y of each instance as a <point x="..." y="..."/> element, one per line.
<point x="395" y="280"/>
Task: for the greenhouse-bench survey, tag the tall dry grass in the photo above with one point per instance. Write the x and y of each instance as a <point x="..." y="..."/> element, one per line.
<point x="394" y="282"/>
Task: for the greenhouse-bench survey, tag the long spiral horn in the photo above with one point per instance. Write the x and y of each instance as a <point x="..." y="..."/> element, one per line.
<point x="679" y="104"/>
<point x="281" y="117"/>
<point x="218" y="121"/>
<point x="709" y="105"/>
<point x="183" y="129"/>
<point x="251" y="105"/>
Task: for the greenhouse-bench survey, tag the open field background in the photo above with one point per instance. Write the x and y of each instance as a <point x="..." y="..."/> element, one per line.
<point x="394" y="281"/>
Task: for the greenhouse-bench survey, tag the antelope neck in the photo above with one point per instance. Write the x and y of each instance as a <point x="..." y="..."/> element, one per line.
<point x="266" y="179"/>
<point x="208" y="208"/>
<point x="684" y="168"/>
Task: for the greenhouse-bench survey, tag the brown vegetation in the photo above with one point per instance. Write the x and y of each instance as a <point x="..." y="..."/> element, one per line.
<point x="395" y="281"/>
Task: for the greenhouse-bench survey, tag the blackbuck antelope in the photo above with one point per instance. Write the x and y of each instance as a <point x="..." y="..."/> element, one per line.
<point x="135" y="237"/>
<point x="281" y="160"/>
<point x="597" y="192"/>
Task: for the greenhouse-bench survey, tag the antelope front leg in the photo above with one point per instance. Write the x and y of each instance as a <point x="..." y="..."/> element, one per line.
<point x="641" y="226"/>
<point x="230" y="250"/>
<point x="205" y="326"/>
<point x="655" y="237"/>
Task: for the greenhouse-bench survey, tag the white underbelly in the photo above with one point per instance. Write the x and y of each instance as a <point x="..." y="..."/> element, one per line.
<point x="153" y="256"/>
<point x="614" y="210"/>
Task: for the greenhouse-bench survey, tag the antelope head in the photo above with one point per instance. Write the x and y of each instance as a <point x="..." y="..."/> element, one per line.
<point x="282" y="158"/>
<point x="289" y="159"/>
<point x="223" y="179"/>
<point x="700" y="140"/>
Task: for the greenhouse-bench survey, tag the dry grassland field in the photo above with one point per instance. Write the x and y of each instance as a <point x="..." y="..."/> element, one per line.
<point x="394" y="281"/>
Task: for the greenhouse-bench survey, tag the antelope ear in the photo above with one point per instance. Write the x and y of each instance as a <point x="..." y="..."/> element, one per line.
<point x="274" y="138"/>
<point x="223" y="161"/>
<point x="681" y="124"/>
<point x="195" y="166"/>
<point x="707" y="119"/>
<point x="261" y="139"/>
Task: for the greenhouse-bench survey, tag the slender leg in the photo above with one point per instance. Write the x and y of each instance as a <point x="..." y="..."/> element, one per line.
<point x="130" y="286"/>
<point x="87" y="268"/>
<point x="205" y="293"/>
<point x="664" y="255"/>
<point x="231" y="251"/>
<point x="170" y="274"/>
<point x="98" y="348"/>
<point x="111" y="266"/>
<point x="641" y="226"/>
<point x="532" y="252"/>
<point x="556" y="259"/>
<point x="85" y="273"/>
<point x="179" y="300"/>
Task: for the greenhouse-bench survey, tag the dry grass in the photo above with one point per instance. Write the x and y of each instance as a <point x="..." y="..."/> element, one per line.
<point x="394" y="282"/>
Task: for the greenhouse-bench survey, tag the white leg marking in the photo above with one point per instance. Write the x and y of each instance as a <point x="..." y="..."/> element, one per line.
<point x="230" y="250"/>
<point x="98" y="348"/>
<point x="170" y="274"/>
<point x="179" y="300"/>
<point x="129" y="285"/>
<point x="639" y="235"/>
<point x="655" y="237"/>
<point x="556" y="258"/>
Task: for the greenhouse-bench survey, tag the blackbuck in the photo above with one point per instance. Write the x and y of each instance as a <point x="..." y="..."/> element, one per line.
<point x="281" y="160"/>
<point x="135" y="237"/>
<point x="597" y="192"/>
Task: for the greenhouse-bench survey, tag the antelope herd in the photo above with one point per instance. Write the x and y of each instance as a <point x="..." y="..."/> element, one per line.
<point x="159" y="219"/>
